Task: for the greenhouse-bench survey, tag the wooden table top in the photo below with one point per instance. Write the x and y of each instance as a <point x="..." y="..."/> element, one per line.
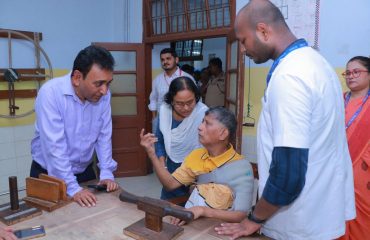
<point x="107" y="220"/>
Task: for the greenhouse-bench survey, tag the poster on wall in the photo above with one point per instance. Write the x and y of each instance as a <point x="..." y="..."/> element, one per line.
<point x="302" y="17"/>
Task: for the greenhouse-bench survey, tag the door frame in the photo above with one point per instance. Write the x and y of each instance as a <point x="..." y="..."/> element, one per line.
<point x="144" y="167"/>
<point x="239" y="103"/>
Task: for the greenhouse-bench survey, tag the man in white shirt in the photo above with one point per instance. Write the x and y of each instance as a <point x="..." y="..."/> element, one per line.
<point x="162" y="82"/>
<point x="305" y="174"/>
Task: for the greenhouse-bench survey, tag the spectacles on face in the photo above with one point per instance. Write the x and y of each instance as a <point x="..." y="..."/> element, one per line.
<point x="355" y="73"/>
<point x="189" y="104"/>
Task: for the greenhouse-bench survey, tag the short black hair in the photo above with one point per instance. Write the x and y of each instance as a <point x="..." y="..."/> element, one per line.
<point x="179" y="84"/>
<point x="364" y="61"/>
<point x="216" y="62"/>
<point x="226" y="118"/>
<point x="188" y="69"/>
<point x="91" y="55"/>
<point x="170" y="51"/>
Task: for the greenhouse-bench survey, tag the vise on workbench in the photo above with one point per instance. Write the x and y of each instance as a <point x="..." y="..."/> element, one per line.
<point x="152" y="227"/>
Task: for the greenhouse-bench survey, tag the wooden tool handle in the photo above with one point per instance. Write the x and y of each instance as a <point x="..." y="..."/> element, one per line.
<point x="128" y="197"/>
<point x="183" y="214"/>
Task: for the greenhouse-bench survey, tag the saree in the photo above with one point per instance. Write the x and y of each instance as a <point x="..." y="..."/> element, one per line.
<point x="358" y="136"/>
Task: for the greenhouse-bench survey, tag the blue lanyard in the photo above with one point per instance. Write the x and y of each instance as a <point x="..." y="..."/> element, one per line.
<point x="358" y="110"/>
<point x="295" y="45"/>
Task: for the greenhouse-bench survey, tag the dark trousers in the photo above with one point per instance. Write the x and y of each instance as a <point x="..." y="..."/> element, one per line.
<point x="87" y="175"/>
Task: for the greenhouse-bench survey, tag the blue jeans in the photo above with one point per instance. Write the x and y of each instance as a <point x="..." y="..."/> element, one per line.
<point x="181" y="191"/>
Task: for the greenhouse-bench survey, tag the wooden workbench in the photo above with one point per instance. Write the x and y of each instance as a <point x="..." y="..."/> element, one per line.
<point x="106" y="221"/>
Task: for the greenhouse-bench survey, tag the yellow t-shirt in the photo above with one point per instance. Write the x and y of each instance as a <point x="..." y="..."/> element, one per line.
<point x="199" y="162"/>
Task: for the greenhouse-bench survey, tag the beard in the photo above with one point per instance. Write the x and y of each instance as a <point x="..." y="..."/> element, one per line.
<point x="262" y="53"/>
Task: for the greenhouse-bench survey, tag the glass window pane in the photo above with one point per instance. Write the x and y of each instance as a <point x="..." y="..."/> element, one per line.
<point x="123" y="83"/>
<point x="125" y="61"/>
<point x="219" y="13"/>
<point x="177" y="16"/>
<point x="232" y="89"/>
<point x="123" y="105"/>
<point x="234" y="55"/>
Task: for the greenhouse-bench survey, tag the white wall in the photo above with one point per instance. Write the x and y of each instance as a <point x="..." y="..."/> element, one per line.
<point x="67" y="27"/>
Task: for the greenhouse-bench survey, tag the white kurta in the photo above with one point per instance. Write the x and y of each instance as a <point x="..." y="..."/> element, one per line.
<point x="303" y="108"/>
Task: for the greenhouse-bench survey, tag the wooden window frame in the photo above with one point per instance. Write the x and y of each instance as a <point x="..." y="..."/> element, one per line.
<point x="209" y="32"/>
<point x="191" y="57"/>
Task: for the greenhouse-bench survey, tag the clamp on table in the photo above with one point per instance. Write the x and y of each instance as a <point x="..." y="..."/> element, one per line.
<point x="152" y="226"/>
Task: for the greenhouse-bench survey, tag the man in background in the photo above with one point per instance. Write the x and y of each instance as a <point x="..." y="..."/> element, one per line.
<point x="162" y="82"/>
<point x="215" y="92"/>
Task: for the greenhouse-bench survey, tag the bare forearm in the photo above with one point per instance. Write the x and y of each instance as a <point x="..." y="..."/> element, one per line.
<point x="167" y="180"/>
<point x="264" y="210"/>
<point x="224" y="215"/>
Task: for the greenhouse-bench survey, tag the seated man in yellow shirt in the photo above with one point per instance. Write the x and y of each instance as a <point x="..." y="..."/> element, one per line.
<point x="223" y="178"/>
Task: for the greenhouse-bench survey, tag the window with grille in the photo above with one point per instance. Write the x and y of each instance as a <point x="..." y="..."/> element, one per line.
<point x="176" y="16"/>
<point x="190" y="50"/>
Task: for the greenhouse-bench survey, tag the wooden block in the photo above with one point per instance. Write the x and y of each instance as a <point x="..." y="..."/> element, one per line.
<point x="42" y="189"/>
<point x="10" y="217"/>
<point x="139" y="231"/>
<point x="45" y="205"/>
<point x="62" y="185"/>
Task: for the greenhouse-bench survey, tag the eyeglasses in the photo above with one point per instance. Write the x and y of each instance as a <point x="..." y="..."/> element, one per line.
<point x="190" y="103"/>
<point x="355" y="73"/>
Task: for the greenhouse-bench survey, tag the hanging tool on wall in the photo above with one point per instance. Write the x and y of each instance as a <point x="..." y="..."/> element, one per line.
<point x="11" y="76"/>
<point x="248" y="120"/>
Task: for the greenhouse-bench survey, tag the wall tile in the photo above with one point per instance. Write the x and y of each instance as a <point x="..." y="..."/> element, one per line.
<point x="24" y="164"/>
<point x="22" y="133"/>
<point x="4" y="181"/>
<point x="8" y="165"/>
<point x="22" y="148"/>
<point x="7" y="150"/>
<point x="6" y="134"/>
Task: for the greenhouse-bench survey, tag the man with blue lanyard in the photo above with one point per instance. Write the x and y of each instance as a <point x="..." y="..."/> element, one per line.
<point x="306" y="184"/>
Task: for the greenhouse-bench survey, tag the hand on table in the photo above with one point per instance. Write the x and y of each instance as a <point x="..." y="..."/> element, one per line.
<point x="6" y="233"/>
<point x="85" y="198"/>
<point x="235" y="230"/>
<point x="197" y="212"/>
<point x="111" y="185"/>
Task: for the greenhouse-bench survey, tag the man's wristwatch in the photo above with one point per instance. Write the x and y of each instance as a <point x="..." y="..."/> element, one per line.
<point x="252" y="218"/>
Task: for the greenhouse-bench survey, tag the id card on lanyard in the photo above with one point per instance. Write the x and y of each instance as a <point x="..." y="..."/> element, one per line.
<point x="169" y="82"/>
<point x="294" y="46"/>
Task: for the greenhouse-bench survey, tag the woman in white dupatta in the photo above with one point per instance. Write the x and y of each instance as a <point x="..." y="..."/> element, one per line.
<point x="177" y="132"/>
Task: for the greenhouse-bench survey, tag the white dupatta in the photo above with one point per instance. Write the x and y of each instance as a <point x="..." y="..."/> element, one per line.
<point x="180" y="141"/>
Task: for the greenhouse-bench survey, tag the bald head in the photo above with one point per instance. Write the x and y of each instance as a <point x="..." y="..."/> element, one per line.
<point x="261" y="11"/>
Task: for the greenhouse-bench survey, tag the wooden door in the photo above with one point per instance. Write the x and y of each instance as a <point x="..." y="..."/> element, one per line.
<point x="235" y="84"/>
<point x="128" y="107"/>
